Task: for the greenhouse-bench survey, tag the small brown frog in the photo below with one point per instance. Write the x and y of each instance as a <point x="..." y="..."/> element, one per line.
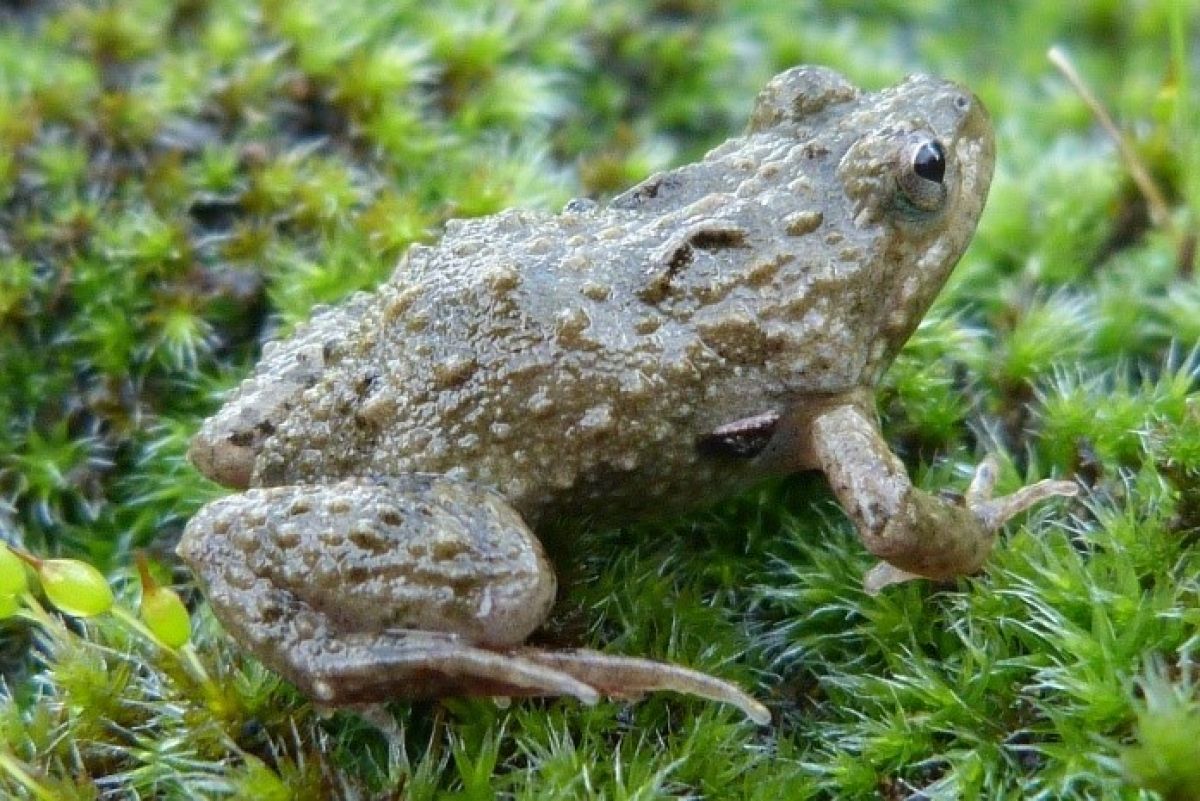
<point x="715" y="324"/>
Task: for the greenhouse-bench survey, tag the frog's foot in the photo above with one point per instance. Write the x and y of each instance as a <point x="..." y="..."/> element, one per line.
<point x="995" y="512"/>
<point x="992" y="513"/>
<point x="424" y="664"/>
<point x="917" y="534"/>
<point x="630" y="677"/>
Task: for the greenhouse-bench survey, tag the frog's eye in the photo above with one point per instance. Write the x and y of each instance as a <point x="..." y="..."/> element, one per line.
<point x="922" y="173"/>
<point x="930" y="161"/>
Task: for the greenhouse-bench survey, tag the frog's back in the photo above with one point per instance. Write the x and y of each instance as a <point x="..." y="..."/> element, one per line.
<point x="509" y="356"/>
<point x="563" y="357"/>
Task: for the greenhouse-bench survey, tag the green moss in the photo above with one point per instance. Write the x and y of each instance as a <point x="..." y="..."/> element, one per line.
<point x="1164" y="758"/>
<point x="179" y="180"/>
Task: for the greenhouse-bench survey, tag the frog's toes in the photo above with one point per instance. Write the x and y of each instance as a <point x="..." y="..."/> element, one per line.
<point x="630" y="677"/>
<point x="995" y="512"/>
<point x="988" y="512"/>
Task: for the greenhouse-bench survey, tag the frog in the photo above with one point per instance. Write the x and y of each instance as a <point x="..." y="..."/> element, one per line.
<point x="402" y="457"/>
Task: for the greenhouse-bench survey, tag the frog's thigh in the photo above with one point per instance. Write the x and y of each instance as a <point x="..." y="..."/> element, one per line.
<point x="333" y="585"/>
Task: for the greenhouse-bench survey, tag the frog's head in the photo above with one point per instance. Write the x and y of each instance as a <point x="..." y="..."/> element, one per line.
<point x="920" y="174"/>
<point x="905" y="173"/>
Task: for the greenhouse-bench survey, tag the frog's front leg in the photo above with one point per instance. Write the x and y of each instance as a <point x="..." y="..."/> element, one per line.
<point x="915" y="533"/>
<point x="417" y="586"/>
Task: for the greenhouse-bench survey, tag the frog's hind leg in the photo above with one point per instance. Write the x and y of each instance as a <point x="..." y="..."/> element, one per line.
<point x="368" y="590"/>
<point x="431" y="664"/>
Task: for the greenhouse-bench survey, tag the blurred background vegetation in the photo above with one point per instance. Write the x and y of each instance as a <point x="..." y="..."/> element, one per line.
<point x="180" y="181"/>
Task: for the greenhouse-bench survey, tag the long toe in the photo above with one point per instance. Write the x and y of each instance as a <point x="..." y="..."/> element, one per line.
<point x="994" y="513"/>
<point x="630" y="677"/>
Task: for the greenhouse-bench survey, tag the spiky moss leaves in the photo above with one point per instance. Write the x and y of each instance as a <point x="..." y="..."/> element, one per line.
<point x="111" y="676"/>
<point x="971" y="691"/>
<point x="1164" y="759"/>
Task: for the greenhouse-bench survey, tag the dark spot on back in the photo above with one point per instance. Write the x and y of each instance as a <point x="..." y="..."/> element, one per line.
<point x="717" y="238"/>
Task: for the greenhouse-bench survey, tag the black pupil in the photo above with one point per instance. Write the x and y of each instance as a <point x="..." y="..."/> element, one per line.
<point x="930" y="162"/>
